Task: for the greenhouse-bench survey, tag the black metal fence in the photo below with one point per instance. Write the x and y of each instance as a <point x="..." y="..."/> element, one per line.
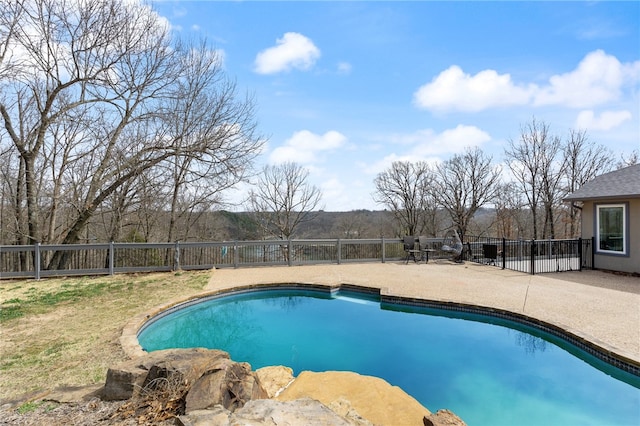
<point x="35" y="261"/>
<point x="531" y="256"/>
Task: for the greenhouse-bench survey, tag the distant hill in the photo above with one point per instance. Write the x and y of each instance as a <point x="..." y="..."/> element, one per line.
<point x="225" y="225"/>
<point x="354" y="224"/>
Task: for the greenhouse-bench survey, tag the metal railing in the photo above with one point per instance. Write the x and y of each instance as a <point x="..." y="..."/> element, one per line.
<point x="36" y="261"/>
<point x="531" y="256"/>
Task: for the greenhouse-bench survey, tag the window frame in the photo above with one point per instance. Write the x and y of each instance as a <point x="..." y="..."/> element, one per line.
<point x="625" y="228"/>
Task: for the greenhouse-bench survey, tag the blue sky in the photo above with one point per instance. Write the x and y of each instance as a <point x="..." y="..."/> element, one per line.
<point x="345" y="88"/>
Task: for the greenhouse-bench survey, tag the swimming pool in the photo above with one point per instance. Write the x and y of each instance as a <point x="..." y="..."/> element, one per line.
<point x="486" y="370"/>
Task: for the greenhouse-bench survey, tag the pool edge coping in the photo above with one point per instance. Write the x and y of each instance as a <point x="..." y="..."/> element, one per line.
<point x="593" y="346"/>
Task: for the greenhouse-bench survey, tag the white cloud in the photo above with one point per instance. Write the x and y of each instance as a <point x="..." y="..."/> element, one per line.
<point x="293" y="50"/>
<point x="426" y="142"/>
<point x="598" y="79"/>
<point x="453" y="140"/>
<point x="607" y="120"/>
<point x="453" y="89"/>
<point x="304" y="146"/>
<point x="426" y="145"/>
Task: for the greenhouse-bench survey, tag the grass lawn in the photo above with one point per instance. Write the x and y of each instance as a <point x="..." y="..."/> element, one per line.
<point x="65" y="331"/>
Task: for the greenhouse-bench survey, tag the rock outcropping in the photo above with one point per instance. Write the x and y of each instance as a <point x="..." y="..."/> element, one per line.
<point x="371" y="397"/>
<point x="269" y="412"/>
<point x="204" y="387"/>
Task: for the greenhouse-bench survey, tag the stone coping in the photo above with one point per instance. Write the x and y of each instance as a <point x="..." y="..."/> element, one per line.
<point x="592" y="346"/>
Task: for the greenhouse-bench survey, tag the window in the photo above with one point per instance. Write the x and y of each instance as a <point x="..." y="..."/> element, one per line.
<point x="611" y="228"/>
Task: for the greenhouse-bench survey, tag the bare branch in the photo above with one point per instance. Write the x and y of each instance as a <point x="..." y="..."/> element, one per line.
<point x="283" y="199"/>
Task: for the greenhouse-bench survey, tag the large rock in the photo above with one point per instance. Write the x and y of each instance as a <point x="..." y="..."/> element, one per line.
<point x="304" y="411"/>
<point x="183" y="366"/>
<point x="123" y="381"/>
<point x="164" y="384"/>
<point x="205" y="387"/>
<point x="443" y="418"/>
<point x="227" y="383"/>
<point x="275" y="379"/>
<point x="218" y="416"/>
<point x="371" y="397"/>
<point x="269" y="412"/>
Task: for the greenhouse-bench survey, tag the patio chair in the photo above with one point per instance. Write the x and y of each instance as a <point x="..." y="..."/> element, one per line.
<point x="490" y="253"/>
<point x="411" y="248"/>
<point x="453" y="245"/>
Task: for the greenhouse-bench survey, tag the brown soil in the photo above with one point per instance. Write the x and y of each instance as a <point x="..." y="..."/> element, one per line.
<point x="89" y="413"/>
<point x="74" y="342"/>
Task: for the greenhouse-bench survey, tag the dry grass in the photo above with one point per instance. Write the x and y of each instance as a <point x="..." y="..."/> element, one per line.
<point x="64" y="332"/>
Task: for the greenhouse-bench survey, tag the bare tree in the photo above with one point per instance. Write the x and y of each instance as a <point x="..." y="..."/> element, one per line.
<point x="283" y="199"/>
<point x="583" y="161"/>
<point x="551" y="172"/>
<point x="139" y="100"/>
<point x="465" y="183"/>
<point x="629" y="160"/>
<point x="205" y="109"/>
<point x="547" y="168"/>
<point x="511" y="220"/>
<point x="525" y="158"/>
<point x="55" y="58"/>
<point x="9" y="228"/>
<point x="404" y="188"/>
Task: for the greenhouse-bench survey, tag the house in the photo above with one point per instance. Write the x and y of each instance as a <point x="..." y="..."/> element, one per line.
<point x="611" y="215"/>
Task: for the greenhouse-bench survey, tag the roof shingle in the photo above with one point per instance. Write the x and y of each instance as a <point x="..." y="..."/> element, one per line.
<point x="622" y="183"/>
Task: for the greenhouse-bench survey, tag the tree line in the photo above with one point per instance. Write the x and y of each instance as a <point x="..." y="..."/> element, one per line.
<point x="525" y="193"/>
<point x="108" y="117"/>
<point x="115" y="129"/>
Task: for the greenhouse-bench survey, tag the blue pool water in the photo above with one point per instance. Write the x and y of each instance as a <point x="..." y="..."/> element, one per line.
<point x="488" y="371"/>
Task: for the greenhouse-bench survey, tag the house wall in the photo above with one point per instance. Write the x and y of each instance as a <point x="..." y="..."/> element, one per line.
<point x="630" y="263"/>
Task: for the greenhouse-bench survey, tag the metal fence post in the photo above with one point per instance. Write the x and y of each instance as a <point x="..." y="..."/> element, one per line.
<point x="580" y="254"/>
<point x="236" y="255"/>
<point x="36" y="261"/>
<point x="383" y="248"/>
<point x="532" y="256"/>
<point x="111" y="257"/>
<point x="504" y="253"/>
<point x="339" y="247"/>
<point x="176" y="256"/>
